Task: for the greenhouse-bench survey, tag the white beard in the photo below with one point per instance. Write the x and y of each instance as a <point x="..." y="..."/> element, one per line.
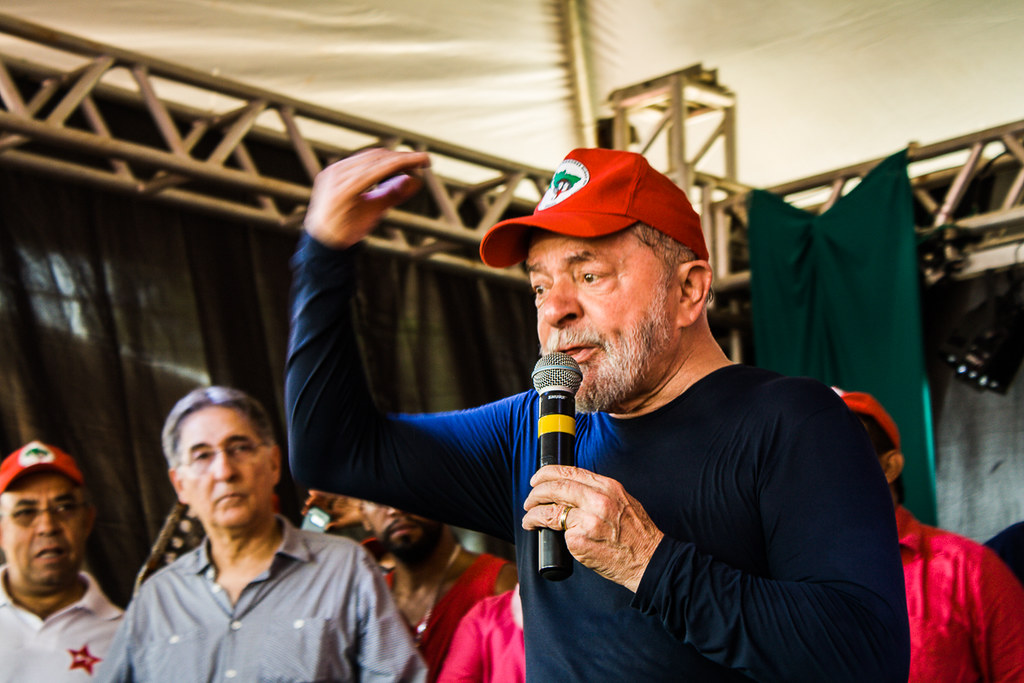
<point x="622" y="362"/>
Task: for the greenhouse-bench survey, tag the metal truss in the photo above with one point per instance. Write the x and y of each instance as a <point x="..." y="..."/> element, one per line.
<point x="685" y="124"/>
<point x="692" y="117"/>
<point x="967" y="190"/>
<point x="92" y="113"/>
<point x="969" y="201"/>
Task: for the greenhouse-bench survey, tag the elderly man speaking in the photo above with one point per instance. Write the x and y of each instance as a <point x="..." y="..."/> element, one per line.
<point x="728" y="523"/>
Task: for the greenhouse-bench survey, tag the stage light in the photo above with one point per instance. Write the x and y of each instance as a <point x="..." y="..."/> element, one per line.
<point x="987" y="347"/>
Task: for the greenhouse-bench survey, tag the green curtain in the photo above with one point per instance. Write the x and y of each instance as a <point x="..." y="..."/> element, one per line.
<point x="836" y="297"/>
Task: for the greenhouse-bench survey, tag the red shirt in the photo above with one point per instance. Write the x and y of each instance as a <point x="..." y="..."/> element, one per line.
<point x="966" y="607"/>
<point x="475" y="584"/>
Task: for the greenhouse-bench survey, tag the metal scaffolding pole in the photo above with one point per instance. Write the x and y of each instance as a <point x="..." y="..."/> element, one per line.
<point x="249" y="157"/>
<point x="973" y="239"/>
<point x="253" y="154"/>
<point x="694" y="116"/>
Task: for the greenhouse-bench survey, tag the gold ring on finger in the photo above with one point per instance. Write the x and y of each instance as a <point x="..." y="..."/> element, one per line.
<point x="564" y="516"/>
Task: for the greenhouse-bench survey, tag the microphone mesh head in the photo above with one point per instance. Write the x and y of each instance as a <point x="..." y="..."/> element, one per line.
<point x="557" y="370"/>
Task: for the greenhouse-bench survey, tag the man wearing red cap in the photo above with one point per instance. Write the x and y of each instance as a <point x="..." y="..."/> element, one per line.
<point x="727" y="523"/>
<point x="966" y="607"/>
<point x="55" y="622"/>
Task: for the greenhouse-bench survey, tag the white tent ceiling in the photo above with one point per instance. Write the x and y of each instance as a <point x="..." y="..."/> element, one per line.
<point x="819" y="85"/>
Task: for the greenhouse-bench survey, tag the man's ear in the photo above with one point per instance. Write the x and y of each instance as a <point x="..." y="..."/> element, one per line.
<point x="694" y="279"/>
<point x="275" y="462"/>
<point x="177" y="484"/>
<point x="892" y="464"/>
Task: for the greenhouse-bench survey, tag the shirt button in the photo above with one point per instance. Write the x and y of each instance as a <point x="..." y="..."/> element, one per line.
<point x="230" y="673"/>
<point x="174" y="639"/>
<point x="215" y="588"/>
<point x="299" y="623"/>
<point x="235" y="625"/>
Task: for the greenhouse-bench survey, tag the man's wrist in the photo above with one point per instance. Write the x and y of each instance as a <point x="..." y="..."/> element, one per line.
<point x="646" y="554"/>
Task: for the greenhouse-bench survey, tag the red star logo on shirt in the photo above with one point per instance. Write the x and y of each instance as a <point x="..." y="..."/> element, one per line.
<point x="83" y="659"/>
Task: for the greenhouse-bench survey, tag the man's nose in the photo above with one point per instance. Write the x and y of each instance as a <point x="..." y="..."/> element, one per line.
<point x="46" y="522"/>
<point x="222" y="467"/>
<point x="561" y="305"/>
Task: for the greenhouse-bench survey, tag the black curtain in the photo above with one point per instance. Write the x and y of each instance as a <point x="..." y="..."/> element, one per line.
<point x="112" y="307"/>
<point x="979" y="434"/>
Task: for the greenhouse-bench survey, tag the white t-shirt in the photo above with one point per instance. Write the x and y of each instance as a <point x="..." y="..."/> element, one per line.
<point x="66" y="646"/>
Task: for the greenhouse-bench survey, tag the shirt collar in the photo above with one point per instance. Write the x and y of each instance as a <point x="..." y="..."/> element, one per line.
<point x="910" y="530"/>
<point x="4" y="598"/>
<point x="293" y="545"/>
<point x="93" y="600"/>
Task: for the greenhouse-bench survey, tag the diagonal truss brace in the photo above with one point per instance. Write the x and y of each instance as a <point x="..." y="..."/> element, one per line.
<point x="60" y="119"/>
<point x="251" y="156"/>
<point x="684" y="122"/>
<point x="974" y="238"/>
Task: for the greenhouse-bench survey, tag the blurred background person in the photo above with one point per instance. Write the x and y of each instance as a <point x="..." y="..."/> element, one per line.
<point x="488" y="644"/>
<point x="55" y="622"/>
<point x="435" y="581"/>
<point x="966" y="608"/>
<point x="258" y="599"/>
<point x="342" y="515"/>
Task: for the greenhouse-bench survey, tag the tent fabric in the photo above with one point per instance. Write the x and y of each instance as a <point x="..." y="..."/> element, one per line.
<point x="836" y="296"/>
<point x="113" y="307"/>
<point x="819" y="85"/>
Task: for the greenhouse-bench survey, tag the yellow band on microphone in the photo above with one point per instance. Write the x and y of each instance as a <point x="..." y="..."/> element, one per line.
<point x="556" y="423"/>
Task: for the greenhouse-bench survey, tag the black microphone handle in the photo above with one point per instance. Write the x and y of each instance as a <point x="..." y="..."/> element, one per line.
<point x="557" y="447"/>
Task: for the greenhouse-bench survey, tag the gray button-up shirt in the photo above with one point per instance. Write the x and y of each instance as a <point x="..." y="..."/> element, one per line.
<point x="322" y="612"/>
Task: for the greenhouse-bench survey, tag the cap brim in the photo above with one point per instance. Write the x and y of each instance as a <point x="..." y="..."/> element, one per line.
<point x="75" y="476"/>
<point x="507" y="242"/>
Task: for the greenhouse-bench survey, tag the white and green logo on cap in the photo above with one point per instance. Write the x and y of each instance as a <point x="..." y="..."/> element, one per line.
<point x="34" y="454"/>
<point x="570" y="177"/>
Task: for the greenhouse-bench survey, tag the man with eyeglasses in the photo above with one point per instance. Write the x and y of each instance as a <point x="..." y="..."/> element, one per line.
<point x="55" y="622"/>
<point x="258" y="599"/>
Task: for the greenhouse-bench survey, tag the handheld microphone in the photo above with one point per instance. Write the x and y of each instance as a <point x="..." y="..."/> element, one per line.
<point x="556" y="377"/>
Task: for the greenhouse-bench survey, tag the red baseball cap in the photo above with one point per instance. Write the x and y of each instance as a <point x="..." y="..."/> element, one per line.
<point x="37" y="456"/>
<point x="597" y="192"/>
<point x="865" y="404"/>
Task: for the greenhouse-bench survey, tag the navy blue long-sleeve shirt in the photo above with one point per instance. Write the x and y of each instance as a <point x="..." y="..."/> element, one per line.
<point x="780" y="560"/>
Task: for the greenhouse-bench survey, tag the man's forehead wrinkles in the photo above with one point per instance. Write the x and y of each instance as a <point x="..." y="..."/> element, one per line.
<point x="231" y="438"/>
<point x="581" y="255"/>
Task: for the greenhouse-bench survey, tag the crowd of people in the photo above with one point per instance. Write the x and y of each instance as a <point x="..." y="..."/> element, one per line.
<point x="964" y="603"/>
<point x="725" y="522"/>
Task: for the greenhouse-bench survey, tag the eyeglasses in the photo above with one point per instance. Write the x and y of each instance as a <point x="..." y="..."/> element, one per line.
<point x="237" y="453"/>
<point x="62" y="512"/>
